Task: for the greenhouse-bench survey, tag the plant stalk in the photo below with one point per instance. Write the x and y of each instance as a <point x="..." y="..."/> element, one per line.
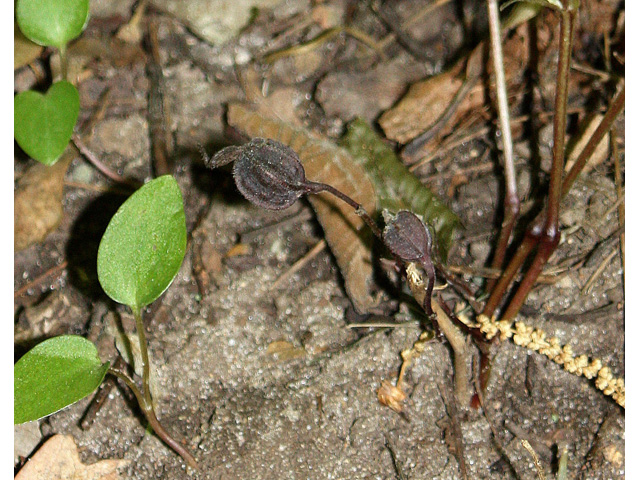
<point x="64" y="64"/>
<point x="144" y="354"/>
<point x="551" y="235"/>
<point x="317" y="187"/>
<point x="150" y="415"/>
<point x="511" y="200"/>
<point x="535" y="229"/>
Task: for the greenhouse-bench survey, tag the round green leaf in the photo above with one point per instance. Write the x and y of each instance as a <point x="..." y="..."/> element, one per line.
<point x="142" y="249"/>
<point x="54" y="374"/>
<point x="43" y="124"/>
<point x="52" y="22"/>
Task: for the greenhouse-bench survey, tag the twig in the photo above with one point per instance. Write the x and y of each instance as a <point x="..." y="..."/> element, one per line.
<point x="306" y="258"/>
<point x="161" y="140"/>
<point x="545" y="278"/>
<point x="414" y="20"/>
<point x="97" y="188"/>
<point x="536" y="461"/>
<point x="36" y="281"/>
<point x="323" y="37"/>
<point x="301" y="215"/>
<point x="382" y="325"/>
<point x="618" y="177"/>
<point x="454" y="416"/>
<point x="594" y="276"/>
<point x="102" y="168"/>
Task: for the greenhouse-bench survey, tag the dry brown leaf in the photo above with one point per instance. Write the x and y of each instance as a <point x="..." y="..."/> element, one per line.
<point x="58" y="459"/>
<point x="346" y="234"/>
<point x="427" y="100"/>
<point x="38" y="202"/>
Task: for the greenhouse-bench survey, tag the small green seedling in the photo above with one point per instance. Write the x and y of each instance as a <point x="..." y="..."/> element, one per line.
<point x="44" y="124"/>
<point x="139" y="256"/>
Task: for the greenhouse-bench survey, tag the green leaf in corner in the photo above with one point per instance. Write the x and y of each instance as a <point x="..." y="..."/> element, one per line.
<point x="396" y="187"/>
<point x="52" y="22"/>
<point x="143" y="247"/>
<point x="54" y="374"/>
<point x="43" y="124"/>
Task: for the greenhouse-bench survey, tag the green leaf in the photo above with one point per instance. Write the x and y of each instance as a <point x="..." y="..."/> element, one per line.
<point x="43" y="124"/>
<point x="52" y="22"/>
<point x="396" y="187"/>
<point x="554" y="4"/>
<point x="54" y="374"/>
<point x="142" y="249"/>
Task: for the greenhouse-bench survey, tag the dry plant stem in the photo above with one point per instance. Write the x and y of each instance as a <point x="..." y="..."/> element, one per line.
<point x="619" y="192"/>
<point x="457" y="340"/>
<point x="325" y="36"/>
<point x="160" y="136"/>
<point x="150" y="415"/>
<point x="536" y="460"/>
<point x="40" y="278"/>
<point x="532" y="237"/>
<point x="511" y="200"/>
<point x="321" y="245"/>
<point x="100" y="398"/>
<point x="617" y="105"/>
<point x="461" y="355"/>
<point x="102" y="168"/>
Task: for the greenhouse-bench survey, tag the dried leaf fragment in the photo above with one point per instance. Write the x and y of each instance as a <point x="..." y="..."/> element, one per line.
<point x="38" y="202"/>
<point x="391" y="396"/>
<point x="58" y="459"/>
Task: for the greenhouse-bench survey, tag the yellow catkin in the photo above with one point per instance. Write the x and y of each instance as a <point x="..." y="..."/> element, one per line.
<point x="536" y="339"/>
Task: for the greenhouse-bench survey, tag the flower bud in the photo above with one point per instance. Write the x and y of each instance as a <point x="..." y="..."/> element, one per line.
<point x="407" y="236"/>
<point x="267" y="173"/>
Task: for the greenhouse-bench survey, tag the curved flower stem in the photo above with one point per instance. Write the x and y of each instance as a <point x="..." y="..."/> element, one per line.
<point x="317" y="187"/>
<point x="149" y="413"/>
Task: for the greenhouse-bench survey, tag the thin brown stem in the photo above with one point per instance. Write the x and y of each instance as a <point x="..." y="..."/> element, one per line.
<point x="617" y="105"/>
<point x="101" y="167"/>
<point x="318" y="187"/>
<point x="536" y="227"/>
<point x="150" y="415"/>
<point x="551" y="235"/>
<point x="497" y="294"/>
